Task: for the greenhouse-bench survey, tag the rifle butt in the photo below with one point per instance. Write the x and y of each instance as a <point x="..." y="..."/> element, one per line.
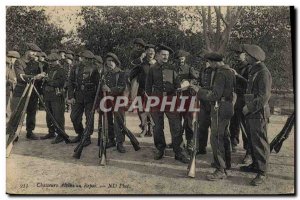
<point x="192" y="168"/>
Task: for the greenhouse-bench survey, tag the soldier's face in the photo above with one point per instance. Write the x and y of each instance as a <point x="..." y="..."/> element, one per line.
<point x="110" y="63"/>
<point x="163" y="56"/>
<point x="181" y="60"/>
<point x="69" y="61"/>
<point x="242" y="57"/>
<point x="62" y="55"/>
<point x="207" y="64"/>
<point x="138" y="46"/>
<point x="10" y="60"/>
<point x="41" y="59"/>
<point x="150" y="52"/>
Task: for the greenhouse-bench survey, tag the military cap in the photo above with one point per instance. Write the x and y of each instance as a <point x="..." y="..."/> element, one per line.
<point x="139" y="41"/>
<point x="213" y="56"/>
<point x="87" y="54"/>
<point x="69" y="52"/>
<point x="54" y="51"/>
<point x="164" y="47"/>
<point x="62" y="50"/>
<point x="255" y="51"/>
<point x="33" y="47"/>
<point x="181" y="53"/>
<point x="13" y="54"/>
<point x="53" y="57"/>
<point x="69" y="56"/>
<point x="114" y="56"/>
<point x="147" y="46"/>
<point x="237" y="48"/>
<point x="99" y="58"/>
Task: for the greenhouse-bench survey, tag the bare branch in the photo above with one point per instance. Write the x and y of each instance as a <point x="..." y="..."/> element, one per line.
<point x="219" y="14"/>
<point x="207" y="41"/>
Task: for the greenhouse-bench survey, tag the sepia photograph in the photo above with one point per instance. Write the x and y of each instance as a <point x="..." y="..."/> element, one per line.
<point x="150" y="100"/>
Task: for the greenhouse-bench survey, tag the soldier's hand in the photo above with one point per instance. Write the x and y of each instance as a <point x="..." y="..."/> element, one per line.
<point x="143" y="56"/>
<point x="40" y="76"/>
<point x="71" y="101"/>
<point x="245" y="110"/>
<point x="105" y="88"/>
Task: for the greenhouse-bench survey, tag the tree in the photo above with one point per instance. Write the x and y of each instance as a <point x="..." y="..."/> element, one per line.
<point x="25" y="24"/>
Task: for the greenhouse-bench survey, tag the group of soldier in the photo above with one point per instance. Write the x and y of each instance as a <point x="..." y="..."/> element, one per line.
<point x="231" y="98"/>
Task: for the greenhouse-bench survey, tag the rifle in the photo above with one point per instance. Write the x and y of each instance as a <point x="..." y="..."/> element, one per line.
<point x="103" y="136"/>
<point x="277" y="142"/>
<point x="86" y="132"/>
<point x="57" y="127"/>
<point x="135" y="143"/>
<point x="15" y="123"/>
<point x="192" y="164"/>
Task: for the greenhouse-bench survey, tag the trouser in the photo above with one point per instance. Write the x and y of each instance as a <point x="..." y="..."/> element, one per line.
<point x="204" y="122"/>
<point x="175" y="129"/>
<point x="114" y="126"/>
<point x="146" y="119"/>
<point x="234" y="128"/>
<point x="258" y="140"/>
<point x="30" y="112"/>
<point x="56" y="108"/>
<point x="220" y="140"/>
<point x="187" y="124"/>
<point x="76" y="116"/>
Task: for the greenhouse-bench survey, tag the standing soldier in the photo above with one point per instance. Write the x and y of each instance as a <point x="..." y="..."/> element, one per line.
<point x="141" y="72"/>
<point x="257" y="112"/>
<point x="54" y="96"/>
<point x="114" y="84"/>
<point x="42" y="60"/>
<point x="185" y="73"/>
<point x="68" y="65"/>
<point x="26" y="69"/>
<point x="138" y="52"/>
<point x="161" y="82"/>
<point x="221" y="97"/>
<point x="82" y="86"/>
<point x="206" y="78"/>
<point x="11" y="79"/>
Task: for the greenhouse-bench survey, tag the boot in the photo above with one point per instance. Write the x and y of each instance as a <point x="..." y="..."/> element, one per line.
<point x="143" y="133"/>
<point x="48" y="136"/>
<point x="217" y="175"/>
<point x="120" y="147"/>
<point x="32" y="136"/>
<point x="111" y="143"/>
<point x="158" y="155"/>
<point x="149" y="132"/>
<point x="250" y="168"/>
<point x="182" y="158"/>
<point x="76" y="139"/>
<point x="57" y="140"/>
<point x="259" y="179"/>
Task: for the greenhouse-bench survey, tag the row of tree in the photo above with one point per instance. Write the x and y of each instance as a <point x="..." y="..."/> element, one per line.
<point x="114" y="28"/>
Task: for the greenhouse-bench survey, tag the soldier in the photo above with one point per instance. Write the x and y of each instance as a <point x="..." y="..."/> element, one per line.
<point x="54" y="96"/>
<point x="138" y="52"/>
<point x="11" y="79"/>
<point x="82" y="86"/>
<point x="186" y="73"/>
<point x="257" y="112"/>
<point x="162" y="81"/>
<point x="114" y="84"/>
<point x="238" y="119"/>
<point x="141" y="71"/>
<point x="26" y="69"/>
<point x="99" y="62"/>
<point x="42" y="60"/>
<point x="221" y="96"/>
<point x="205" y="80"/>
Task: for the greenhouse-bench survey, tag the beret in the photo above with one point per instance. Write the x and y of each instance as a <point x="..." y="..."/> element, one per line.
<point x="54" y="51"/>
<point x="53" y="57"/>
<point x="114" y="56"/>
<point x="69" y="52"/>
<point x="149" y="46"/>
<point x="13" y="54"/>
<point x="87" y="54"/>
<point x="237" y="48"/>
<point x="41" y="54"/>
<point x="255" y="51"/>
<point x="160" y="47"/>
<point x="181" y="53"/>
<point x="33" y="47"/>
<point x="213" y="56"/>
<point x="139" y="41"/>
<point x="98" y="58"/>
<point x="62" y="50"/>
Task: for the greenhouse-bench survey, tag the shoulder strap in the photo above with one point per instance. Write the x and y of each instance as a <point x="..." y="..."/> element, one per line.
<point x="212" y="77"/>
<point x="250" y="82"/>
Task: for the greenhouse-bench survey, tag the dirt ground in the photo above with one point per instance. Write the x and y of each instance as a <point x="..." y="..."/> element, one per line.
<point x="38" y="167"/>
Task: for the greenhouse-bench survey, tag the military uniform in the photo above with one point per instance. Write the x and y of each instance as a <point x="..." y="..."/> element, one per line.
<point x="54" y="96"/>
<point x="257" y="112"/>
<point x="162" y="81"/>
<point x="82" y="86"/>
<point x="137" y="52"/>
<point x="25" y="70"/>
<point x="11" y="79"/>
<point x="221" y="97"/>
